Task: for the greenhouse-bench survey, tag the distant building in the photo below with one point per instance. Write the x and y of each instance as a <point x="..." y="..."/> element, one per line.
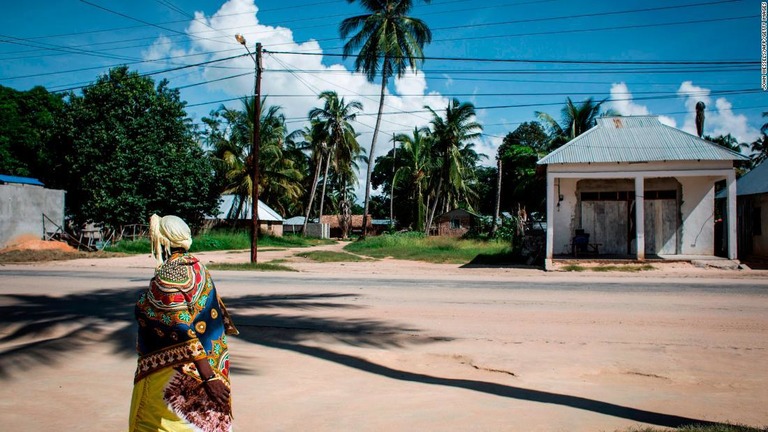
<point x="270" y="222"/>
<point x="635" y="187"/>
<point x="455" y="223"/>
<point x="28" y="208"/>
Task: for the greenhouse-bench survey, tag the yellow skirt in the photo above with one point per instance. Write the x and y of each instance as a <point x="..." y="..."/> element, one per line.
<point x="171" y="401"/>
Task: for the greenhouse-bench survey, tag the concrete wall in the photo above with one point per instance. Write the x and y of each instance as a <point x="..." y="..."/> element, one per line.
<point x="760" y="242"/>
<point x="566" y="215"/>
<point x="698" y="210"/>
<point x="22" y="208"/>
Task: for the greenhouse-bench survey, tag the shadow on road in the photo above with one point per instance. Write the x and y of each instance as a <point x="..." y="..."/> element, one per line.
<point x="42" y="328"/>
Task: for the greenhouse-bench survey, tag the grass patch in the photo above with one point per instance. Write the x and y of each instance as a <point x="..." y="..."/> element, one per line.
<point x="270" y="266"/>
<point x="701" y="428"/>
<point x="417" y="247"/>
<point x="22" y="256"/>
<point x="330" y="256"/>
<point x="224" y="240"/>
<point x="609" y="268"/>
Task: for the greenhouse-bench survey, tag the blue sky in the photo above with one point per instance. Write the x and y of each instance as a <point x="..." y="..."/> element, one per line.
<point x="509" y="58"/>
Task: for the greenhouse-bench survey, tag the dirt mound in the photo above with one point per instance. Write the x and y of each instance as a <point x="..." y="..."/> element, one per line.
<point x="30" y="242"/>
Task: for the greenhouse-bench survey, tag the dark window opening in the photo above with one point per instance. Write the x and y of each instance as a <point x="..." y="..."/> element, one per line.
<point x="661" y="194"/>
<point x="608" y="196"/>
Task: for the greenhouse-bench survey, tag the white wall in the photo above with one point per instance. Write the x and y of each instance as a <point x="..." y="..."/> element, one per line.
<point x="565" y="215"/>
<point x="22" y="208"/>
<point x="698" y="210"/>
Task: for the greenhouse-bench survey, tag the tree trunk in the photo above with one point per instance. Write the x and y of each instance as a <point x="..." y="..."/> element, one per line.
<point x="370" y="154"/>
<point x="325" y="182"/>
<point x="420" y="213"/>
<point x="495" y="224"/>
<point x="312" y="197"/>
<point x="434" y="206"/>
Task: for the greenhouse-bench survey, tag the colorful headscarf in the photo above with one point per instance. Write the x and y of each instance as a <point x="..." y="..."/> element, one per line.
<point x="168" y="232"/>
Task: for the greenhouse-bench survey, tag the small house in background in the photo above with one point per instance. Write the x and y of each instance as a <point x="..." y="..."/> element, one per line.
<point x="270" y="222"/>
<point x="355" y="229"/>
<point x="293" y="225"/>
<point x="752" y="198"/>
<point x="455" y="223"/>
<point x="635" y="188"/>
<point x="28" y="208"/>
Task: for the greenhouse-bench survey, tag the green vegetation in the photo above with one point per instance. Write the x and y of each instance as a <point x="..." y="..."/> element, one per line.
<point x="329" y="256"/>
<point x="22" y="256"/>
<point x="415" y="246"/>
<point x="270" y="266"/>
<point x="609" y="268"/>
<point x="222" y="240"/>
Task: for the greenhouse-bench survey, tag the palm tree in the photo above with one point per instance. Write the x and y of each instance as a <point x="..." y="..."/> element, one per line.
<point x="576" y="120"/>
<point x="388" y="40"/>
<point x="313" y="139"/>
<point x="454" y="152"/>
<point x="415" y="166"/>
<point x="230" y="135"/>
<point x="333" y="121"/>
<point x="760" y="145"/>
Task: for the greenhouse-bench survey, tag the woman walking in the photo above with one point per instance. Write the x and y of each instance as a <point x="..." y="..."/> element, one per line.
<point x="182" y="378"/>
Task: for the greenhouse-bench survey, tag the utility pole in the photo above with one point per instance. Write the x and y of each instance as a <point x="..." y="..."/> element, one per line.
<point x="392" y="193"/>
<point x="255" y="145"/>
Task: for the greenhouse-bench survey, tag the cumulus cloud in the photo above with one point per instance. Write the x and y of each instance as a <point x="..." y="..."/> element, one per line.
<point x="293" y="81"/>
<point x="621" y="101"/>
<point x="719" y="118"/>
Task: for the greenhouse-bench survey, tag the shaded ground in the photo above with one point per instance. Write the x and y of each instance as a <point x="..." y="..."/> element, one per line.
<point x="392" y="345"/>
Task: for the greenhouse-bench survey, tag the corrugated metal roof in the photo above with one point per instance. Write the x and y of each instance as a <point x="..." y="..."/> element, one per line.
<point x="637" y="139"/>
<point x="265" y="212"/>
<point x="20" y="180"/>
<point x="753" y="182"/>
<point x="296" y="220"/>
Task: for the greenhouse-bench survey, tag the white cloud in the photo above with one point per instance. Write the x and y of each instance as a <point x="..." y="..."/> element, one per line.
<point x="621" y="101"/>
<point x="301" y="75"/>
<point x="719" y="118"/>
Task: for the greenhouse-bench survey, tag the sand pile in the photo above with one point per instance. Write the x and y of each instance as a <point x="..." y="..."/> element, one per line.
<point x="30" y="242"/>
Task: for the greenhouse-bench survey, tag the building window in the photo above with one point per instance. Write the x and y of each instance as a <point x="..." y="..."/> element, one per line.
<point x="757" y="221"/>
<point x="608" y="196"/>
<point x="455" y="223"/>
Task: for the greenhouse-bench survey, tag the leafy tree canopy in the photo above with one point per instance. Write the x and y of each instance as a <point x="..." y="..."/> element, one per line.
<point x="132" y="152"/>
<point x="28" y="122"/>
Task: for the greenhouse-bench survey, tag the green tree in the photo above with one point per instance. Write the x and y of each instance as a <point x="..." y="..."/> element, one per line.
<point x="409" y="167"/>
<point x="576" y="119"/>
<point x="334" y="120"/>
<point x="518" y="154"/>
<point x="389" y="42"/>
<point x="454" y="155"/>
<point x="230" y="134"/>
<point x="760" y="146"/>
<point x="29" y="127"/>
<point x="311" y="139"/>
<point x="131" y="152"/>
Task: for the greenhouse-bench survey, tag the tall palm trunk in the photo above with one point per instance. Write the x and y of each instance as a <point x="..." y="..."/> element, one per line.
<point x="373" y="146"/>
<point x="434" y="207"/>
<point x="325" y="182"/>
<point x="495" y="224"/>
<point x="419" y="210"/>
<point x="311" y="196"/>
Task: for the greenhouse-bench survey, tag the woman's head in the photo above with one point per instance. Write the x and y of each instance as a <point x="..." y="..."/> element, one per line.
<point x="166" y="233"/>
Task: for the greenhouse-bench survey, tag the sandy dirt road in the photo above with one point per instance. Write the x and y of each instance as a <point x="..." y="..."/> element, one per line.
<point x="401" y="346"/>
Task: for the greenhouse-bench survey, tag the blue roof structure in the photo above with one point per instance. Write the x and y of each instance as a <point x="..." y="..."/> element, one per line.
<point x="6" y="179"/>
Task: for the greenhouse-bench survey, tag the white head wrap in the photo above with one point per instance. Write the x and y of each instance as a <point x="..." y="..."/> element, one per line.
<point x="168" y="232"/>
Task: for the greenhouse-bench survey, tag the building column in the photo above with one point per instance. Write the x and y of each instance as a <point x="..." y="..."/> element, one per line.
<point x="640" y="217"/>
<point x="731" y="216"/>
<point x="550" y="220"/>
